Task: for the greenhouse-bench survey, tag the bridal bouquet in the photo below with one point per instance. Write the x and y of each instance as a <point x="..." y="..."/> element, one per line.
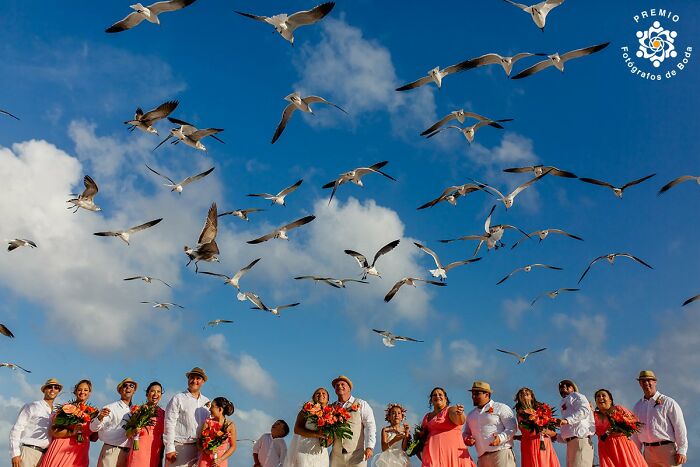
<point x="331" y="420"/>
<point x="417" y="441"/>
<point x="214" y="434"/>
<point x="140" y="416"/>
<point x="622" y="421"/>
<point x="537" y="420"/>
<point x="74" y="413"/>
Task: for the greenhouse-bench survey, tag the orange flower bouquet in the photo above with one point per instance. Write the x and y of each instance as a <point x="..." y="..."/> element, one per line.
<point x="73" y="414"/>
<point x="538" y="419"/>
<point x="214" y="434"/>
<point x="622" y="421"/>
<point x="140" y="416"/>
<point x="331" y="420"/>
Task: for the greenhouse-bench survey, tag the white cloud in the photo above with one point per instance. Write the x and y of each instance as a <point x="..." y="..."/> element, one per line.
<point x="513" y="310"/>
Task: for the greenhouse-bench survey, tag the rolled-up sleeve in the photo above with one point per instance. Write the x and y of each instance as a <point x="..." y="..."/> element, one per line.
<point x="675" y="416"/>
<point x="370" y="426"/>
<point x="510" y="425"/>
<point x="16" y="431"/>
<point x="172" y="412"/>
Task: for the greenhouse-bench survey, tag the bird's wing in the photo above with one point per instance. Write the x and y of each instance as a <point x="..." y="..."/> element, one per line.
<point x="585" y="51"/>
<point x="549" y="5"/>
<point x="539" y="66"/>
<point x="376" y="168"/>
<point x="131" y="20"/>
<point x="211" y="225"/>
<point x="359" y="257"/>
<point x="519" y="5"/>
<point x="161" y="175"/>
<point x="519" y="170"/>
<point x="261" y="195"/>
<point x="635" y="182"/>
<point x="290" y="189"/>
<point x="194" y="178"/>
<point x="244" y="270"/>
<point x="510" y="353"/>
<point x="436" y="258"/>
<point x="162" y="142"/>
<point x="6" y="332"/>
<point x="100" y="234"/>
<point x="385" y="249"/>
<point x="559" y="231"/>
<point x="303" y="18"/>
<point x="133" y="278"/>
<point x="394" y="289"/>
<point x="527" y="184"/>
<point x="160" y="112"/>
<point x="291" y="305"/>
<point x="177" y="121"/>
<point x="561" y="173"/>
<point x="457" y="67"/>
<point x="523" y="238"/>
<point x="632" y="257"/>
<point x="298" y="223"/>
<point x="144" y="226"/>
<point x="465" y="237"/>
<point x="596" y="182"/>
<point x="383" y="333"/>
<point x="415" y="84"/>
<point x="589" y="267"/>
<point x="164" y="283"/>
<point x="676" y="181"/>
<point x="201" y="134"/>
<point x="510" y="274"/>
<point x="21" y="368"/>
<point x="312" y="99"/>
<point x="691" y="300"/>
<point x="461" y="263"/>
<point x="264" y="238"/>
<point x="547" y="266"/>
<point x="487" y="59"/>
<point x="521" y="55"/>
<point x="439" y="123"/>
<point x="169" y="5"/>
<point x="406" y="339"/>
<point x="487" y="223"/>
<point x="214" y="274"/>
<point x="255" y="300"/>
<point x="255" y="17"/>
<point x="286" y="115"/>
<point x="8" y="114"/>
<point x="536" y="298"/>
<point x="90" y="188"/>
<point x="534" y="351"/>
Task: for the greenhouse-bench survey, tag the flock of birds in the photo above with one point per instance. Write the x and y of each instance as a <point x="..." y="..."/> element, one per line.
<point x="206" y="248"/>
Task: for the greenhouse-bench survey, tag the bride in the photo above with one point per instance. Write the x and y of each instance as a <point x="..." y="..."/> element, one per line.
<point x="305" y="449"/>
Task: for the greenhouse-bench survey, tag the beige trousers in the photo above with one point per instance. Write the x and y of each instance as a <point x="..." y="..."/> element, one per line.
<point x="187" y="456"/>
<point x="112" y="456"/>
<point x="30" y="457"/>
<point x="579" y="453"/>
<point x="660" y="456"/>
<point x="502" y="458"/>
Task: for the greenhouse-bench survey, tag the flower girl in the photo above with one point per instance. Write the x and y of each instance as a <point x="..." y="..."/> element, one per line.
<point x="395" y="439"/>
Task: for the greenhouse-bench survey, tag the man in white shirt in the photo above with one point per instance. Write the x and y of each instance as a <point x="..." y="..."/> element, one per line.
<point x="29" y="436"/>
<point x="491" y="427"/>
<point x="577" y="425"/>
<point x="108" y="426"/>
<point x="270" y="449"/>
<point x="184" y="415"/>
<point x="663" y="435"/>
<point x="358" y="449"/>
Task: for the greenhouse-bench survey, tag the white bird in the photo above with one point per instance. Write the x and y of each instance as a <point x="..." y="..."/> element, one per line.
<point x="492" y="234"/>
<point x="541" y="169"/>
<point x="408" y="281"/>
<point x="285" y="24"/>
<point x="147" y="279"/>
<point x="190" y="135"/>
<point x="355" y="176"/>
<point x="460" y="115"/>
<point x="145" y="121"/>
<point x="496" y="59"/>
<point x="553" y="294"/>
<point x="435" y="75"/>
<point x="469" y="131"/>
<point x="206" y="249"/>
<point x="690" y="300"/>
<point x="217" y="322"/>
<point x="441" y="271"/>
<point x="180" y="186"/>
<point x="86" y="199"/>
<point x="281" y="232"/>
<point x="678" y="180"/>
<point x="337" y="283"/>
<point x="452" y="193"/>
<point x="18" y="242"/>
<point x="390" y="339"/>
<point x="611" y="259"/>
<point x="369" y="269"/>
<point x="510" y="198"/>
<point x="8" y="114"/>
<point x="126" y="234"/>
<point x="298" y="103"/>
<point x="528" y="268"/>
<point x="259" y="305"/>
<point x="163" y="305"/>
<point x="521" y="358"/>
<point x="279" y="197"/>
<point x="13" y="366"/>
<point x="617" y="190"/>
<point x="240" y="213"/>
<point x="538" y="11"/>
<point x="544" y="233"/>
<point x="5" y="331"/>
<point x="149" y="13"/>
<point x="558" y="61"/>
<point x="234" y="280"/>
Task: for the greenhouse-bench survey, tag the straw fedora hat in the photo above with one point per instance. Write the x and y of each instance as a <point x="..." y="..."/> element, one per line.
<point x="481" y="386"/>
<point x="127" y="380"/>
<point x="646" y="374"/>
<point x="51" y="381"/>
<point x="197" y="371"/>
<point x="342" y="378"/>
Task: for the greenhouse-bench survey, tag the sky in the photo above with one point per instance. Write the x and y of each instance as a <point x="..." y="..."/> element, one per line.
<point x="73" y="86"/>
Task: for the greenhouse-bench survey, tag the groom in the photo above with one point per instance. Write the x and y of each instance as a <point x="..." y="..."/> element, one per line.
<point x="356" y="450"/>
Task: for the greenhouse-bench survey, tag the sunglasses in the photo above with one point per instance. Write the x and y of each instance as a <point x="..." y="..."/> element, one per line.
<point x="128" y="385"/>
<point x="53" y="386"/>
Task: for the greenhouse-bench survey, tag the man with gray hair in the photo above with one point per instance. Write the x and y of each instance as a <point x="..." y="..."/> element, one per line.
<point x="577" y="425"/>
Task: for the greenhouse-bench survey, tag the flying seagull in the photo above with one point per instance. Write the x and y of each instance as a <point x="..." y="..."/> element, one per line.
<point x="298" y="103"/>
<point x="281" y="232"/>
<point x="558" y="61"/>
<point x="240" y="213"/>
<point x="527" y="268"/>
<point x="492" y="234"/>
<point x="690" y="300"/>
<point x="285" y="24"/>
<point x="496" y="59"/>
<point x="390" y="339"/>
<point x="126" y="234"/>
<point x="190" y="135"/>
<point x="259" y="305"/>
<point x="460" y="115"/>
<point x="206" y="249"/>
<point x="541" y="169"/>
<point x="542" y="234"/>
<point x="470" y="131"/>
<point x="510" y="198"/>
<point x="678" y="180"/>
<point x="355" y="176"/>
<point x="611" y="259"/>
<point x="13" y="366"/>
<point x="337" y="283"/>
<point x="8" y="114"/>
<point x="451" y="193"/>
<point x="521" y="358"/>
<point x="279" y="197"/>
<point x="147" y="279"/>
<point x="441" y="271"/>
<point x="233" y="280"/>
<point x="408" y="281"/>
<point x="538" y="11"/>
<point x="85" y="200"/>
<point x="618" y="191"/>
<point x="369" y="269"/>
<point x="435" y="75"/>
<point x="145" y="121"/>
<point x="18" y="242"/>
<point x="553" y="294"/>
<point x="149" y="13"/>
<point x="180" y="186"/>
<point x="6" y="332"/>
<point x="163" y="305"/>
<point x="217" y="322"/>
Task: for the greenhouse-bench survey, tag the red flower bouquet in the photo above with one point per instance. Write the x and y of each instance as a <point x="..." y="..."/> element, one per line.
<point x="214" y="434"/>
<point x="140" y="416"/>
<point x="622" y="421"/>
<point x="73" y="414"/>
<point x="331" y="420"/>
<point x="537" y="420"/>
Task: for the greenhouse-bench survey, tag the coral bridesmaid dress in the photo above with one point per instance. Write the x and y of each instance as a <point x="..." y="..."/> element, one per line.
<point x="206" y="458"/>
<point x="68" y="452"/>
<point x="530" y="453"/>
<point x="444" y="446"/>
<point x="617" y="450"/>
<point x="150" y="452"/>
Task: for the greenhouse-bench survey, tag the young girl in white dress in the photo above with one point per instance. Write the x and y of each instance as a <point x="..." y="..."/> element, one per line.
<point x="305" y="449"/>
<point x="395" y="439"/>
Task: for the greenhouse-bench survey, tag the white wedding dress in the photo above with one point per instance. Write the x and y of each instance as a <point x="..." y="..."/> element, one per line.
<point x="392" y="457"/>
<point x="306" y="452"/>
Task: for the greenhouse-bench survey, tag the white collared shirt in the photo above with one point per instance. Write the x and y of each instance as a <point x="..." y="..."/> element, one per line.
<point x="31" y="427"/>
<point x="184" y="415"/>
<point x="492" y="419"/>
<point x="662" y="422"/>
<point x="577" y="412"/>
<point x="369" y="426"/>
<point x="110" y="430"/>
<point x="271" y="451"/>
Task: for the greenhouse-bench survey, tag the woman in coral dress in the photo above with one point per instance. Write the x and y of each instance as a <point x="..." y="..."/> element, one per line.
<point x="150" y="451"/>
<point x="220" y="408"/>
<point x="70" y="447"/>
<point x="444" y="446"/>
<point x="531" y="452"/>
<point x="614" y="449"/>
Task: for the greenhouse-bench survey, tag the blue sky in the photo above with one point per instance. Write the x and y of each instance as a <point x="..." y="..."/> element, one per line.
<point x="72" y="85"/>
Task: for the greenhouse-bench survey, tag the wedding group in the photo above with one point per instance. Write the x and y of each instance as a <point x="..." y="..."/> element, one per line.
<point x="195" y="431"/>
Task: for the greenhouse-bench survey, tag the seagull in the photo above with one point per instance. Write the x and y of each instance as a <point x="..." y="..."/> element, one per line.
<point x="390" y="339"/>
<point x="85" y="199"/>
<point x="558" y="61"/>
<point x="528" y="268"/>
<point x="611" y="259"/>
<point x="236" y="277"/>
<point x="206" y="249"/>
<point x="553" y="294"/>
<point x="460" y="115"/>
<point x="542" y="234"/>
<point x="240" y="213"/>
<point x="164" y="305"/>
<point x="298" y="103"/>
<point x="337" y="283"/>
<point x="126" y="234"/>
<point x="180" y="186"/>
<point x="281" y="232"/>
<point x="259" y="305"/>
<point x="8" y="114"/>
<point x="6" y="332"/>
<point x="145" y="121"/>
<point x="285" y="24"/>
<point x="435" y="75"/>
<point x="355" y="175"/>
<point x="470" y="131"/>
<point x="190" y="135"/>
<point x="441" y="271"/>
<point x="538" y="11"/>
<point x="618" y="191"/>
<point x="408" y="281"/>
<point x="13" y="366"/>
<point x="690" y="300"/>
<point x="496" y="59"/>
<point x="149" y="13"/>
<point x="279" y="197"/>
<point x="147" y="279"/>
<point x="508" y="200"/>
<point x="18" y="242"/>
<point x="369" y="269"/>
<point x="451" y="193"/>
<point x="492" y="234"/>
<point x="678" y="180"/>
<point x="216" y="322"/>
<point x="541" y="169"/>
<point x="521" y="358"/>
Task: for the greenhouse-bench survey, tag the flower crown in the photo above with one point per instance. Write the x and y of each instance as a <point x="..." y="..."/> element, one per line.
<point x="391" y="406"/>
